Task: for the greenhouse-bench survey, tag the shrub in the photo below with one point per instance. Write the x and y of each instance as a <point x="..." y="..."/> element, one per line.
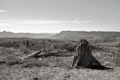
<point x="24" y="49"/>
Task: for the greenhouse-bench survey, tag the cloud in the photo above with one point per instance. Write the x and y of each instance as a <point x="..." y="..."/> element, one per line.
<point x="86" y="21"/>
<point x="6" y="24"/>
<point x="4" y="10"/>
<point x="54" y="22"/>
<point x="41" y="22"/>
<point x="39" y="26"/>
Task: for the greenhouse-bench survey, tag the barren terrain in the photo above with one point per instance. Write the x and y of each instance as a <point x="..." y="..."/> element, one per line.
<point x="55" y="66"/>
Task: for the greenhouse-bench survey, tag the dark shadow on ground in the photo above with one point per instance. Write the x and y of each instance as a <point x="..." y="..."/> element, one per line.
<point x="53" y="54"/>
<point x="100" y="67"/>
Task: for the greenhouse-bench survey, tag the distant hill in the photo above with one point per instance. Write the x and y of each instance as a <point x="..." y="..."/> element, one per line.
<point x="29" y="35"/>
<point x="99" y="36"/>
<point x="77" y="35"/>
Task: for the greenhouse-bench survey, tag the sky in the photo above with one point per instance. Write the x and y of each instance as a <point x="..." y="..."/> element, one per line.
<point x="54" y="16"/>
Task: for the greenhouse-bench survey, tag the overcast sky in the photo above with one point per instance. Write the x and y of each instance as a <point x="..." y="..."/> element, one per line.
<point x="52" y="16"/>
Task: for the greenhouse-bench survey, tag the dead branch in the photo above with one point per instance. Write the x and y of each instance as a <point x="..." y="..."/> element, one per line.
<point x="33" y="54"/>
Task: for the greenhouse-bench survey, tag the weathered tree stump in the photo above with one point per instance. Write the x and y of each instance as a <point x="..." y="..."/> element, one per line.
<point x="84" y="57"/>
<point x="118" y="59"/>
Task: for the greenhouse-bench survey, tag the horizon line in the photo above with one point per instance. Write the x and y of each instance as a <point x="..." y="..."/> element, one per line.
<point x="58" y="32"/>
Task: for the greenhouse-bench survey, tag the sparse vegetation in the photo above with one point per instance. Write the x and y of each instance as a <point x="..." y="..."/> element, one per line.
<point x="55" y="65"/>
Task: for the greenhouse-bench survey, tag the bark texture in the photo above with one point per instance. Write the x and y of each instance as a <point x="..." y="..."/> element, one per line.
<point x="84" y="57"/>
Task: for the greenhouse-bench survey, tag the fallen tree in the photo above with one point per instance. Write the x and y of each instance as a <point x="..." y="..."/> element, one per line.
<point x="33" y="54"/>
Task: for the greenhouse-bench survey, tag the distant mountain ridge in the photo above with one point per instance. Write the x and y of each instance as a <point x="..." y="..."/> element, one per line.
<point x="93" y="35"/>
<point x="29" y="35"/>
<point x="68" y="35"/>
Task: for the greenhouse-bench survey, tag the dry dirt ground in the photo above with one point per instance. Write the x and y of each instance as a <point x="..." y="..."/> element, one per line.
<point x="57" y="73"/>
<point x="51" y="68"/>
